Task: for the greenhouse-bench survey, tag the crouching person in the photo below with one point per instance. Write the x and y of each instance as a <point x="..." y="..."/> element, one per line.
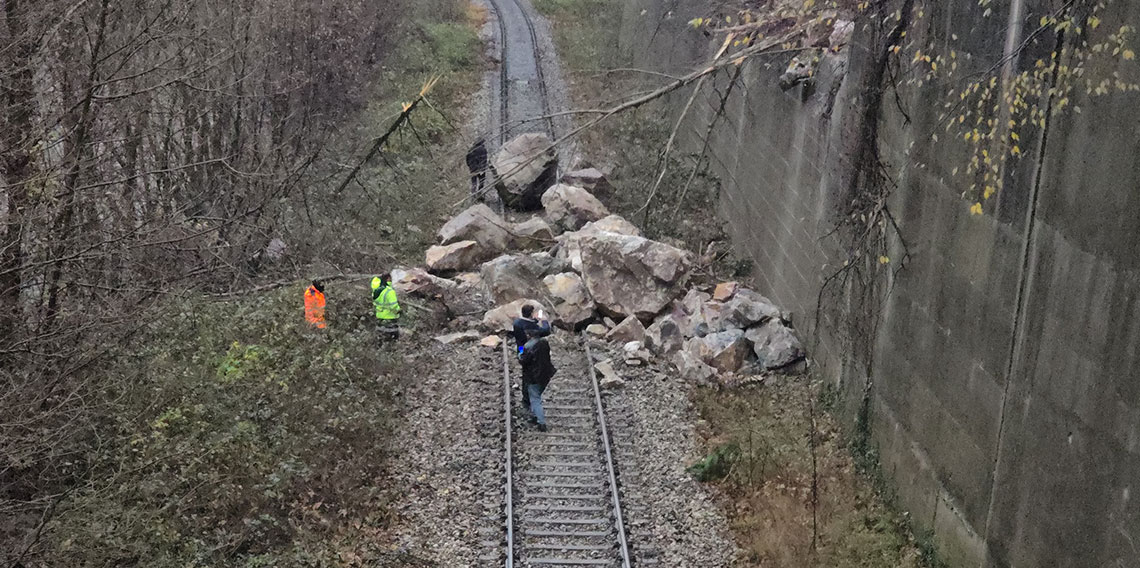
<point x="537" y="370"/>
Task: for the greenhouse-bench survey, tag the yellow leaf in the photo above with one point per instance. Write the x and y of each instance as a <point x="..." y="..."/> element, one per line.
<point x="976" y="209"/>
<point x="989" y="192"/>
<point x="1129" y="54"/>
<point x="884" y="259"/>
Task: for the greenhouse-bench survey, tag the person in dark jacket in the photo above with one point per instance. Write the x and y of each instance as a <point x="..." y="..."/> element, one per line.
<point x="537" y="370"/>
<point x="529" y="320"/>
<point x="477" y="163"/>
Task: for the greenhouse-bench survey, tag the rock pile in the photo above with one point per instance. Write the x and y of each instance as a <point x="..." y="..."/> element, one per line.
<point x="600" y="272"/>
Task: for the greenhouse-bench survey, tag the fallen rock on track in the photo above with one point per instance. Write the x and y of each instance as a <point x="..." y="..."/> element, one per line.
<point x="511" y="277"/>
<point x="609" y="377"/>
<point x="629" y="275"/>
<point x="502" y="318"/>
<point x="572" y="302"/>
<point x="664" y="337"/>
<point x="630" y="329"/>
<point x="572" y="207"/>
<point x="525" y="168"/>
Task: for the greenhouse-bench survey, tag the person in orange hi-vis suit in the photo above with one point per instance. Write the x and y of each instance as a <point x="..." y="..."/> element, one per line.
<point x="315" y="304"/>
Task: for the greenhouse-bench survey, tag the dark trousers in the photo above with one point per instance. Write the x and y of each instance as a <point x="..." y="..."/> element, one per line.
<point x="387" y="329"/>
<point x="477" y="182"/>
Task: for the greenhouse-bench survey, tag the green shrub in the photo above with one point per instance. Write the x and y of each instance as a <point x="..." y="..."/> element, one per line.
<point x="717" y="465"/>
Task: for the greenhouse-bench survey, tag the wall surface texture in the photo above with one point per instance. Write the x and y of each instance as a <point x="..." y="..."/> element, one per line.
<point x="1002" y="360"/>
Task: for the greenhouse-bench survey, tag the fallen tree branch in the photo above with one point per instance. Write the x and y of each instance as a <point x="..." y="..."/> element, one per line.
<point x="401" y="120"/>
<point x="762" y="48"/>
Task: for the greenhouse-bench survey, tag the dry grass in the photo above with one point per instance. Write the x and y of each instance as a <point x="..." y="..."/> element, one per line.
<point x="476" y="14"/>
<point x="767" y="490"/>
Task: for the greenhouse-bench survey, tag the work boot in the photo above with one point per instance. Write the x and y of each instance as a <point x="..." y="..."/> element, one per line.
<point x="542" y="428"/>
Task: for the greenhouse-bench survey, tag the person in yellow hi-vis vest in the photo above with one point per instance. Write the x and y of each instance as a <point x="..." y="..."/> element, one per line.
<point x="387" y="307"/>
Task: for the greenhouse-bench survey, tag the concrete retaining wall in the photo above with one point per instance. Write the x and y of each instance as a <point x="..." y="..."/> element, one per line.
<point x="1003" y="360"/>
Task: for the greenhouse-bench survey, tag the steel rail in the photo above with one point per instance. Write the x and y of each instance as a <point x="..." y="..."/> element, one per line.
<point x="508" y="502"/>
<point x="619" y="523"/>
<point x="545" y="95"/>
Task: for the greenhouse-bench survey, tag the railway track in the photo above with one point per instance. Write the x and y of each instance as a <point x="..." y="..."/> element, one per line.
<point x="523" y="95"/>
<point x="562" y="505"/>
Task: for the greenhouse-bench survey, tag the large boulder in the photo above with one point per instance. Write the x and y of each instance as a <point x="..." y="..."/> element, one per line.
<point x="692" y="369"/>
<point x="590" y="179"/>
<point x="417" y="282"/>
<point x="630" y="329"/>
<point x="572" y="207"/>
<point x="480" y="224"/>
<point x="525" y="168"/>
<point x="510" y="277"/>
<point x="572" y="303"/>
<point x="534" y="233"/>
<point x="459" y="256"/>
<point x="503" y="317"/>
<point x="570" y="244"/>
<point x="664" y="335"/>
<point x="775" y="345"/>
<point x="632" y="276"/>
<point x="744" y="309"/>
<point x="725" y="351"/>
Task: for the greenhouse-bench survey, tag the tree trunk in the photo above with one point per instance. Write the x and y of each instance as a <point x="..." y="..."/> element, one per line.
<point x="16" y="135"/>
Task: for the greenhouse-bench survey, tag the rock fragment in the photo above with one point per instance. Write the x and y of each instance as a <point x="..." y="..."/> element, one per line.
<point x="664" y="336"/>
<point x="630" y="329"/>
<point x="458" y="337"/>
<point x="775" y="345"/>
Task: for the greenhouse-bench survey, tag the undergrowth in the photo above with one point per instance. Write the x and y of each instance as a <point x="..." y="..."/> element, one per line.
<point x="237" y="436"/>
<point x="766" y="484"/>
<point x="229" y="433"/>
